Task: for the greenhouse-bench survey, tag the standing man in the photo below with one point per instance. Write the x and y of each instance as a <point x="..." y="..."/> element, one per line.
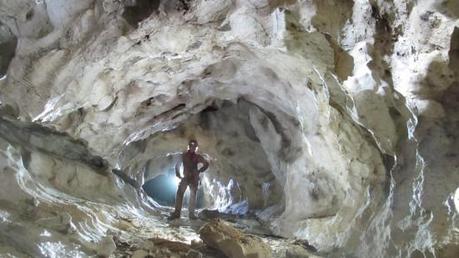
<point x="190" y="160"/>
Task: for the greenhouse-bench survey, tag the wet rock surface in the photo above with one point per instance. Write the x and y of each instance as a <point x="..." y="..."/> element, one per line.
<point x="231" y="242"/>
<point x="334" y="123"/>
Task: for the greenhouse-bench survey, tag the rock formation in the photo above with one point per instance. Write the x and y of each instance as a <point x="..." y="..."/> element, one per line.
<point x="332" y="122"/>
<point x="232" y="243"/>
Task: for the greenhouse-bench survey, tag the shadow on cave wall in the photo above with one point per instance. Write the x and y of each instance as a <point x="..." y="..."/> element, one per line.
<point x="449" y="8"/>
<point x="138" y="10"/>
<point x="8" y="43"/>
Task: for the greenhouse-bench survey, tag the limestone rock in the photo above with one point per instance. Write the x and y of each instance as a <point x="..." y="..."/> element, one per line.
<point x="300" y="249"/>
<point x="173" y="246"/>
<point x="334" y="121"/>
<point x="209" y="11"/>
<point x="193" y="254"/>
<point x="139" y="254"/>
<point x="106" y="246"/>
<point x="232" y="242"/>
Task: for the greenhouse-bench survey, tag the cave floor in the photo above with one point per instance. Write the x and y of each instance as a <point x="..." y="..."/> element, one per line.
<point x="155" y="236"/>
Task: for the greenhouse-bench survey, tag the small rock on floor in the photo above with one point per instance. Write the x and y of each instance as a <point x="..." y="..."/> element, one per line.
<point x="139" y="254"/>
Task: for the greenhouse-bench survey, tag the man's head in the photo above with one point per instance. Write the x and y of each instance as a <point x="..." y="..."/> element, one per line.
<point x="193" y="145"/>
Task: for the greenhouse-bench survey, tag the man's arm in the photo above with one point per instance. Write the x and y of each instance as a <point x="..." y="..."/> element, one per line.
<point x="177" y="168"/>
<point x="205" y="164"/>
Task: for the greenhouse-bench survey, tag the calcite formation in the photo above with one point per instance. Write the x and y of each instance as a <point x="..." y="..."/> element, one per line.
<point x="333" y="122"/>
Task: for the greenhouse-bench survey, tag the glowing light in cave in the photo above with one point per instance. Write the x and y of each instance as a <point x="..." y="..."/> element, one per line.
<point x="456" y="200"/>
<point x="163" y="188"/>
<point x="175" y="181"/>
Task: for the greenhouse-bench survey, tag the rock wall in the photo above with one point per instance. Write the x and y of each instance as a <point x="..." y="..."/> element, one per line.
<point x="337" y="119"/>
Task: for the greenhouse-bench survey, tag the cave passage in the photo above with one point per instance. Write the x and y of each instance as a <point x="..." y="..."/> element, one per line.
<point x="163" y="188"/>
<point x="239" y="178"/>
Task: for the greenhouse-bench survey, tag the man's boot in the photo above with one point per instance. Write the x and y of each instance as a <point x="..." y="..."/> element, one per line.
<point x="192" y="216"/>
<point x="174" y="215"/>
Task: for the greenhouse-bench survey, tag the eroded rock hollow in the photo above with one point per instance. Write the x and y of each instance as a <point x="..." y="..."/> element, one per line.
<point x="331" y="127"/>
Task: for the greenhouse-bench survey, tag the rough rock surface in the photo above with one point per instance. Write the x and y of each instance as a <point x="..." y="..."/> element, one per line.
<point x="335" y="122"/>
<point x="232" y="242"/>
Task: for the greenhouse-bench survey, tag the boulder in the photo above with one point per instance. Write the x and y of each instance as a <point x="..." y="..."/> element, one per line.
<point x="232" y="242"/>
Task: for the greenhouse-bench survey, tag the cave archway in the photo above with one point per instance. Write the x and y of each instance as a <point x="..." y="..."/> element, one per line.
<point x="239" y="179"/>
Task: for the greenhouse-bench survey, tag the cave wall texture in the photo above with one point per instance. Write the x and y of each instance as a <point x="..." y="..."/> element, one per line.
<point x="337" y="119"/>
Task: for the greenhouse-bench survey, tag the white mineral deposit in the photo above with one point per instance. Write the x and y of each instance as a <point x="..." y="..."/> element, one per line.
<point x="331" y="127"/>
